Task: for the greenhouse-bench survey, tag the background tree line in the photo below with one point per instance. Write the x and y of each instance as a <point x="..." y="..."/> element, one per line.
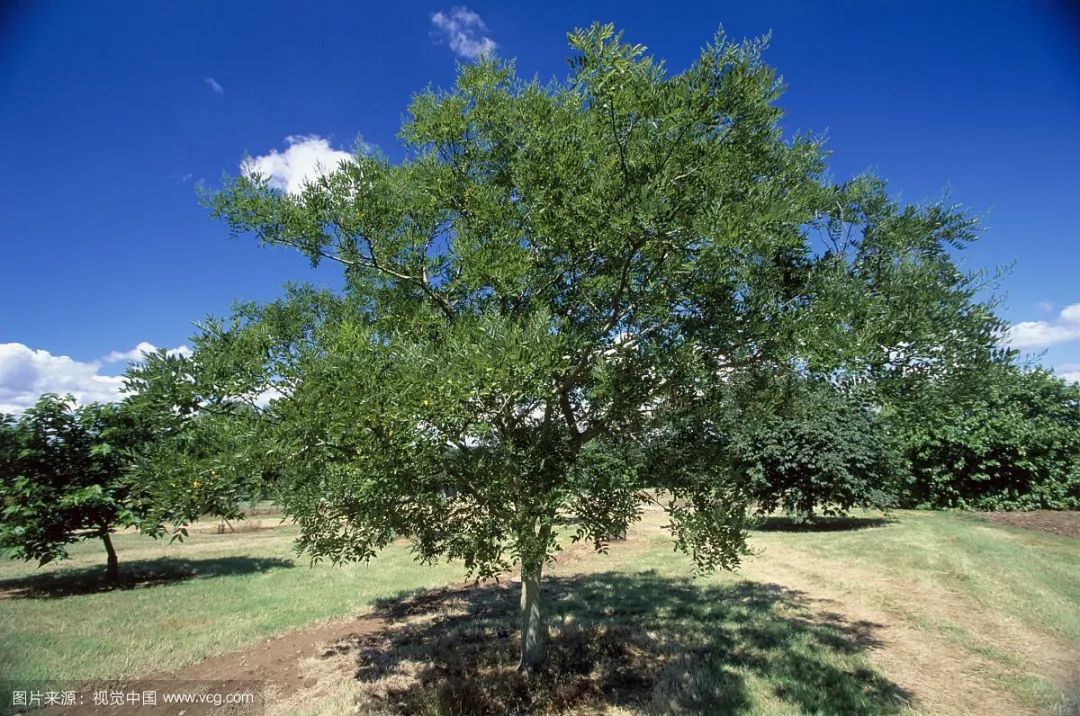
<point x="1009" y="441"/>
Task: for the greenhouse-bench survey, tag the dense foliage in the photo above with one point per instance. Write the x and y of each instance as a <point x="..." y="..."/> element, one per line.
<point x="62" y="478"/>
<point x="1015" y="444"/>
<point x="204" y="459"/>
<point x="820" y="451"/>
<point x="551" y="273"/>
<point x="790" y="443"/>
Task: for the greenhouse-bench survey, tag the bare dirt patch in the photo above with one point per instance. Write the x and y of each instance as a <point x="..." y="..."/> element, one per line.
<point x="277" y="661"/>
<point x="1064" y="523"/>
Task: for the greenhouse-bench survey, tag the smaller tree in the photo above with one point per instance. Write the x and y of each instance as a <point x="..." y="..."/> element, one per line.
<point x="202" y="457"/>
<point x="823" y="450"/>
<point x="62" y="478"/>
<point x="790" y="443"/>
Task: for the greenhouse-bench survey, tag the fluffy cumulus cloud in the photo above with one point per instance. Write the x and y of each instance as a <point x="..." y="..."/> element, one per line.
<point x="464" y="31"/>
<point x="26" y="373"/>
<point x="305" y="158"/>
<point x="1040" y="334"/>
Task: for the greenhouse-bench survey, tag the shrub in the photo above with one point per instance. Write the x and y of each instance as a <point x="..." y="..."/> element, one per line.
<point x="1015" y="446"/>
<point x="823" y="452"/>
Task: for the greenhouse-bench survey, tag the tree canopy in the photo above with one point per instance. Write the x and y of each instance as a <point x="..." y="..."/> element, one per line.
<point x="551" y="277"/>
<point x="806" y="447"/>
<point x="63" y="478"/>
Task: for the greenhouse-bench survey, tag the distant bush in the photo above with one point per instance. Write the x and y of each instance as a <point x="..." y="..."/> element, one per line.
<point x="793" y="444"/>
<point x="1013" y="446"/>
<point x="823" y="452"/>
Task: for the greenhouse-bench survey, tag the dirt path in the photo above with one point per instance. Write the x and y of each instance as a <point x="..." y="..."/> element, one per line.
<point x="277" y="660"/>
<point x="1064" y="524"/>
<point x="277" y="663"/>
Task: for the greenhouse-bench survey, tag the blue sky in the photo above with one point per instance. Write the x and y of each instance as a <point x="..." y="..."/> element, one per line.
<point x="113" y="112"/>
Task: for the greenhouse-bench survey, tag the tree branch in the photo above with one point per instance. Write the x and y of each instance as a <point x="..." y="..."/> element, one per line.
<point x="373" y="264"/>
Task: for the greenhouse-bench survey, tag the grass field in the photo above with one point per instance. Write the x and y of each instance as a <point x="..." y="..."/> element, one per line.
<point x="920" y="613"/>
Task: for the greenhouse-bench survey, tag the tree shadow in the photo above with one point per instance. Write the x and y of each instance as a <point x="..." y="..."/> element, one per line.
<point x="819" y="524"/>
<point x="637" y="641"/>
<point x="139" y="574"/>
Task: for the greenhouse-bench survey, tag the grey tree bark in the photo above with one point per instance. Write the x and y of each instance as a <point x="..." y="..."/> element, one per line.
<point x="533" y="627"/>
<point x="533" y="636"/>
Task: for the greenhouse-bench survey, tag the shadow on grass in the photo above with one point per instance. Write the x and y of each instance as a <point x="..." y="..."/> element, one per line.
<point x="819" y="524"/>
<point x="635" y="641"/>
<point x="139" y="574"/>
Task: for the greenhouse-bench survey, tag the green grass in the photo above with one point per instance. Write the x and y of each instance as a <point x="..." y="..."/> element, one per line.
<point x="922" y="613"/>
<point x="213" y="593"/>
<point x="1031" y="576"/>
<point x="1002" y="603"/>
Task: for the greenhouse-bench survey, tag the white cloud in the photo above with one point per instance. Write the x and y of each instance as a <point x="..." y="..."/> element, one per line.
<point x="215" y="86"/>
<point x="263" y="399"/>
<point x="1069" y="372"/>
<point x="1071" y="314"/>
<point x="464" y="30"/>
<point x="1040" y="334"/>
<point x="1044" y="306"/>
<point x="304" y="159"/>
<point x="26" y="373"/>
<point x="141" y="349"/>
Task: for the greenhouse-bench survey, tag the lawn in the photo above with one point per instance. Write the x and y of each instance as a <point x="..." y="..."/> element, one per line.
<point x="918" y="613"/>
<point x="212" y="593"/>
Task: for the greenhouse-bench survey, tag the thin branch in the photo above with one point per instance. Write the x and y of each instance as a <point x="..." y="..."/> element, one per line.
<point x="373" y="264"/>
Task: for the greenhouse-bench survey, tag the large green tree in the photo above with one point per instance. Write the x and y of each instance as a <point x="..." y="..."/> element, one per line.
<point x="63" y="478"/>
<point x="551" y="274"/>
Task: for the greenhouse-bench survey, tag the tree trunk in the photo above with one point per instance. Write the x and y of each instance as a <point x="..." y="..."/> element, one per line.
<point x="112" y="571"/>
<point x="532" y="623"/>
